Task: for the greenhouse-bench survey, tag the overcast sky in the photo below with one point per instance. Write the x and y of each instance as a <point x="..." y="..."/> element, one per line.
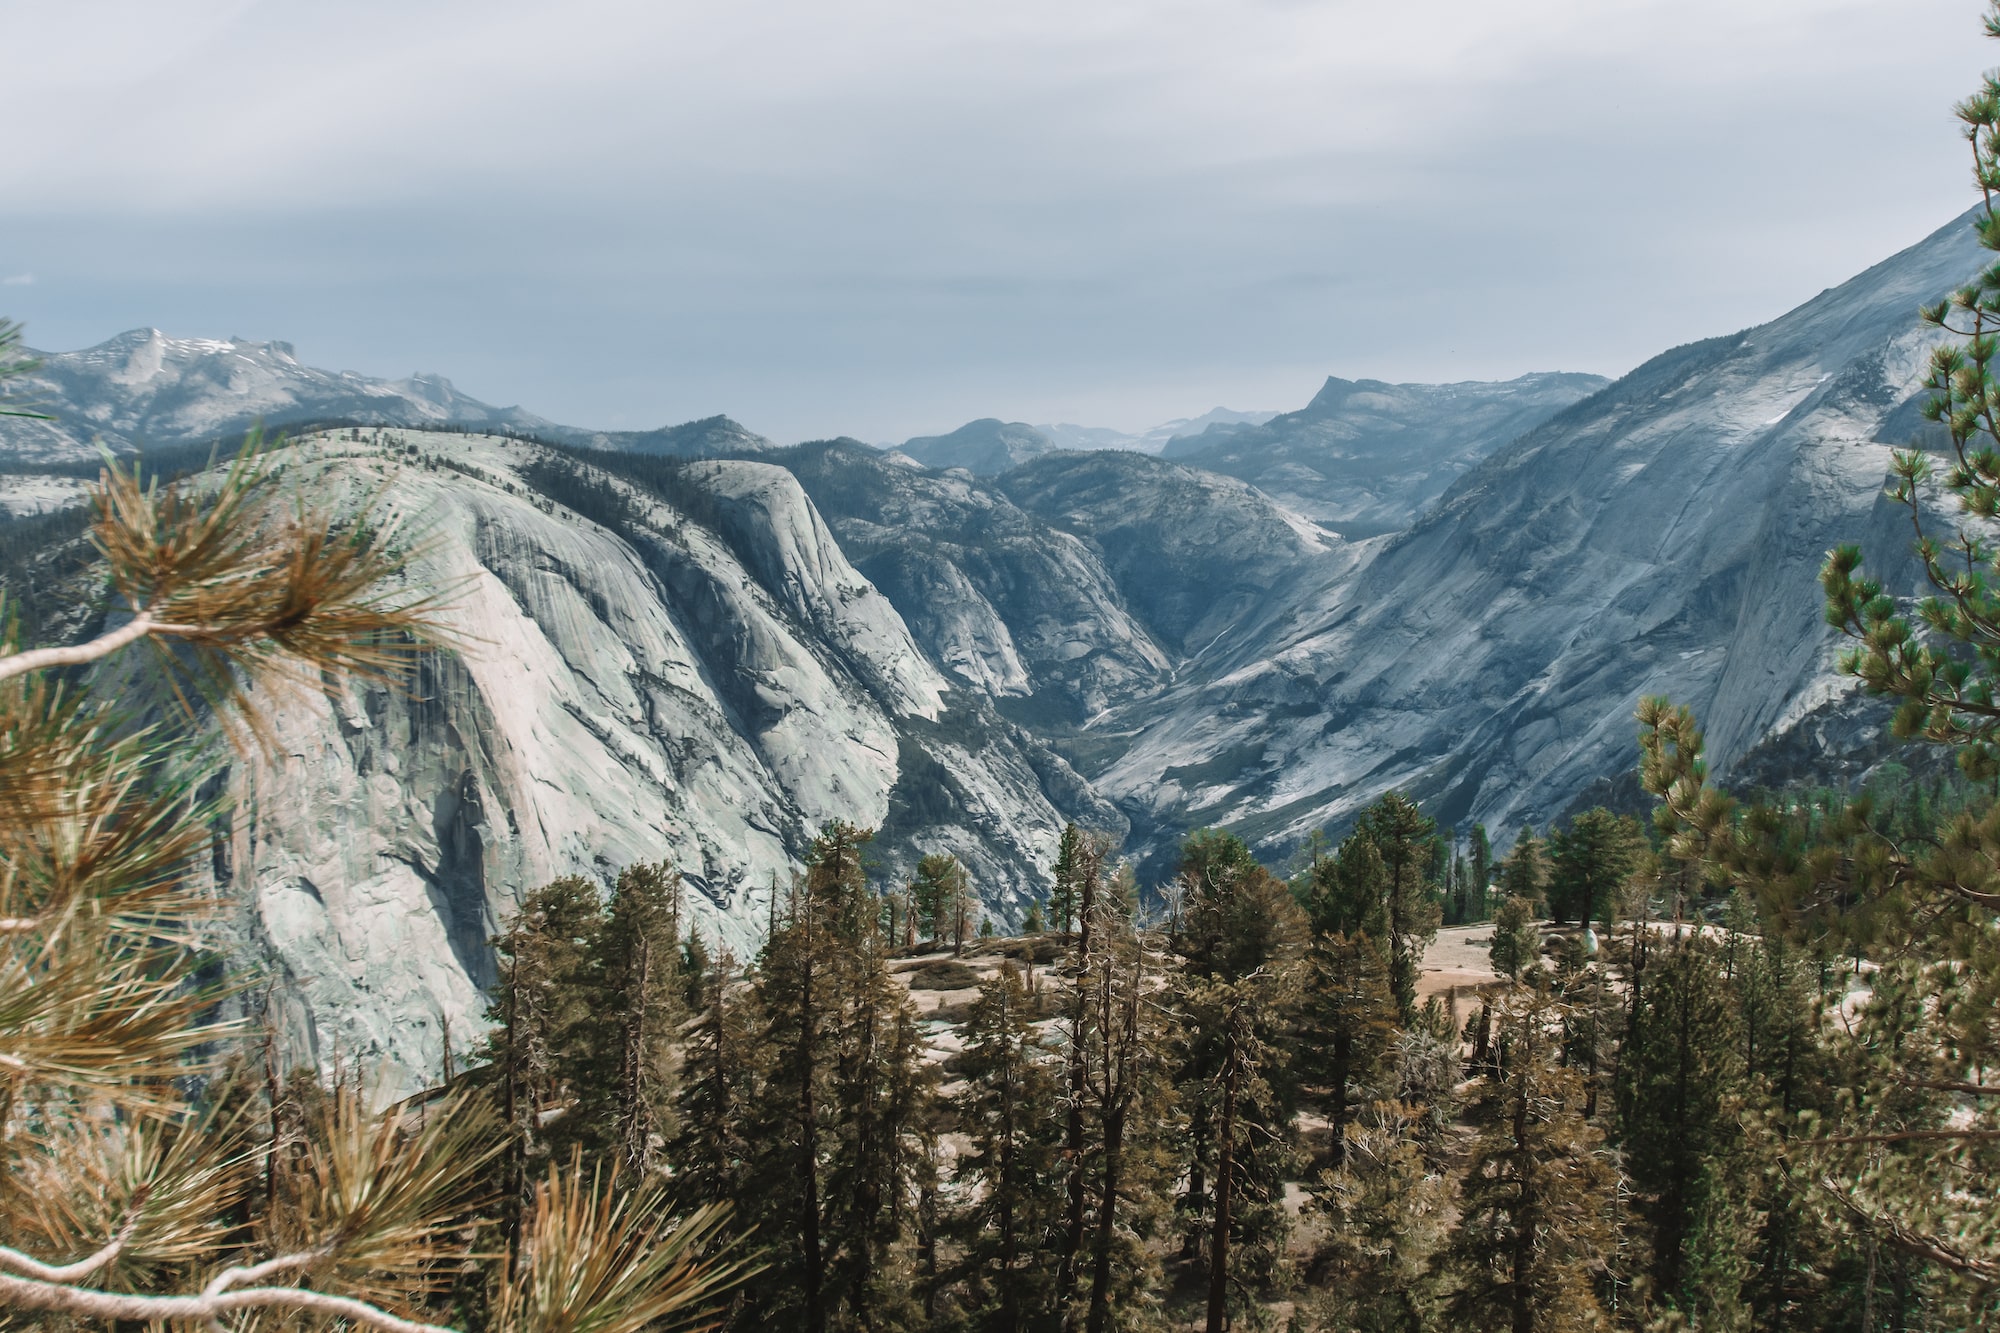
<point x="880" y="218"/>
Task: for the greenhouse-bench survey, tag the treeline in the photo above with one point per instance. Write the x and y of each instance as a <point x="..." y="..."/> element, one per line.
<point x="1237" y="1109"/>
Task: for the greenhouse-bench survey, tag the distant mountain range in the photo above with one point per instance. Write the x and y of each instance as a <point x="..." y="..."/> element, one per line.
<point x="1364" y="457"/>
<point x="1368" y="457"/>
<point x="699" y="642"/>
<point x="145" y="390"/>
<point x="1149" y="441"/>
<point x="989" y="446"/>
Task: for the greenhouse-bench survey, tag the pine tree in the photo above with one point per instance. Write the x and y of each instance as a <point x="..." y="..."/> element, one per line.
<point x="1344" y="891"/>
<point x="539" y="1011"/>
<point x="1231" y="1078"/>
<point x="1072" y="858"/>
<point x="1790" y="1083"/>
<point x="1680" y="1092"/>
<point x="636" y="1012"/>
<point x="930" y="898"/>
<point x="1482" y="872"/>
<point x="944" y="900"/>
<point x="1010" y="1169"/>
<point x="1517" y="942"/>
<point x="1533" y="1230"/>
<point x="1524" y="873"/>
<point x="1383" y="887"/>
<point x="1347" y="1020"/>
<point x="839" y="1113"/>
<point x="1457" y="888"/>
<point x="1236" y="998"/>
<point x="882" y="1088"/>
<point x="789" y="1122"/>
<point x="1385" y="1208"/>
<point x="709" y="1150"/>
<point x="1129" y="1104"/>
<point x="1081" y="1039"/>
<point x="1589" y="862"/>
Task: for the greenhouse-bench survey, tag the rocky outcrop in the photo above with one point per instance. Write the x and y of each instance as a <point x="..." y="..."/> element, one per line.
<point x="986" y="447"/>
<point x="705" y="691"/>
<point x="1200" y="558"/>
<point x="1006" y="601"/>
<point x="1367" y="457"/>
<point x="143" y="389"/>
<point x="1660" y="537"/>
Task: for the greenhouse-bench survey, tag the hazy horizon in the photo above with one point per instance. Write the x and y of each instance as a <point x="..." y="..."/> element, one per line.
<point x="889" y="220"/>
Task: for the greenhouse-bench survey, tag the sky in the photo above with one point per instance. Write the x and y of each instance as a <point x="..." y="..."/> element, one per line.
<point x="883" y="218"/>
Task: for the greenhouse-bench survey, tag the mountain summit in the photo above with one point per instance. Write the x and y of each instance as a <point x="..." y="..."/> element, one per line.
<point x="1368" y="457"/>
<point x="144" y="389"/>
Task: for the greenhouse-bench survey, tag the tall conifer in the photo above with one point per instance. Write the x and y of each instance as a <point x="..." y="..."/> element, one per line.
<point x="637" y="1007"/>
<point x="539" y="1012"/>
<point x="1014" y="1197"/>
<point x="1534" y="1225"/>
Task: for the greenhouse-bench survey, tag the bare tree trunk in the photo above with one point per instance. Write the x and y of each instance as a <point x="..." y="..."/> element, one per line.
<point x="1343" y="1062"/>
<point x="1010" y="1313"/>
<point x="1526" y="1222"/>
<point x="1079" y="1087"/>
<point x="1107" y="1220"/>
<point x="632" y="1126"/>
<point x="809" y="1159"/>
<point x="1121" y="1056"/>
<point x="1218" y="1261"/>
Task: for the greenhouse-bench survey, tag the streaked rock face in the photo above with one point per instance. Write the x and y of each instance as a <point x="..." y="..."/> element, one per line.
<point x="1662" y="537"/>
<point x="707" y="695"/>
<point x="1366" y="457"/>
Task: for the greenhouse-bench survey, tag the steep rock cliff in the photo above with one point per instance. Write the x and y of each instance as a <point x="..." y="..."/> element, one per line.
<point x="701" y="689"/>
<point x="1660" y="537"/>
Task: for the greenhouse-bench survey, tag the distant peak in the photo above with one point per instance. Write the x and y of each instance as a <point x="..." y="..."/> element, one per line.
<point x="1334" y="392"/>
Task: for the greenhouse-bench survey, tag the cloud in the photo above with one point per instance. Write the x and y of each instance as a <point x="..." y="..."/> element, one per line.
<point x="887" y="216"/>
<point x="18" y="280"/>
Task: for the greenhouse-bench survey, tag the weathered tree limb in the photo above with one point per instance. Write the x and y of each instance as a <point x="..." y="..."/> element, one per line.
<point x="60" y="1298"/>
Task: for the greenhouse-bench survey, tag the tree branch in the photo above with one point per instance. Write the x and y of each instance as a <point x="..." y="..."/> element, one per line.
<point x="1951" y="1085"/>
<point x="229" y="1277"/>
<point x="82" y="1268"/>
<point x="1910" y="1136"/>
<point x="30" y="1294"/>
<point x="37" y="659"/>
<point x="1911" y="1242"/>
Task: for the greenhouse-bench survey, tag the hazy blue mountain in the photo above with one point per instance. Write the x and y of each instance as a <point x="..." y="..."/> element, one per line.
<point x="986" y="447"/>
<point x="1367" y="457"/>
<point x="144" y="389"/>
<point x="711" y="437"/>
<point x="1662" y="536"/>
<point x="1199" y="557"/>
<point x="1151" y="441"/>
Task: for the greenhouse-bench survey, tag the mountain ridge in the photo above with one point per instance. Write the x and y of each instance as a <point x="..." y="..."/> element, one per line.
<point x="769" y="635"/>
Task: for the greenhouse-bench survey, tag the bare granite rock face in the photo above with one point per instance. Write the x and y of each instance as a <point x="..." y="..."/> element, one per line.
<point x="1660" y="537"/>
<point x="1010" y="603"/>
<point x="143" y="389"/>
<point x="706" y="695"/>
<point x="1366" y="457"/>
